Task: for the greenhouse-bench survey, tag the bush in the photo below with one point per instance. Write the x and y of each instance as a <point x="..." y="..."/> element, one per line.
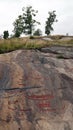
<point x="31" y="37"/>
<point x="38" y="32"/>
<point x="6" y="34"/>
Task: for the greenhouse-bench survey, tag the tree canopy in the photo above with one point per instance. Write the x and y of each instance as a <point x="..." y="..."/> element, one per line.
<point x="50" y="21"/>
<point x="25" y="23"/>
<point x="18" y="26"/>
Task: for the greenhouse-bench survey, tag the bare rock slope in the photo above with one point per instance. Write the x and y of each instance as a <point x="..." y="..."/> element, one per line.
<point x="36" y="89"/>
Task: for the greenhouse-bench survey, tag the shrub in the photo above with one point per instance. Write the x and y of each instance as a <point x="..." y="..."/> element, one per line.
<point x="38" y="32"/>
<point x="6" y="34"/>
<point x="31" y="37"/>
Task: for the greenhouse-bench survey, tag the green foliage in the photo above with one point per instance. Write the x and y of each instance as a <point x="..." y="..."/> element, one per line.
<point x="25" y="23"/>
<point x="5" y="34"/>
<point x="50" y="21"/>
<point x="29" y="21"/>
<point x="18" y="26"/>
<point x="31" y="37"/>
<point x="17" y="33"/>
<point x="38" y="32"/>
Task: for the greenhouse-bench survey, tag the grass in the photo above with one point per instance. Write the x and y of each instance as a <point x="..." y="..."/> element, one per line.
<point x="56" y="37"/>
<point x="21" y="43"/>
<point x="27" y="43"/>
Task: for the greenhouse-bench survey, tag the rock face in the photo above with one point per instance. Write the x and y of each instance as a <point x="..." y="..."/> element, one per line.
<point x="36" y="90"/>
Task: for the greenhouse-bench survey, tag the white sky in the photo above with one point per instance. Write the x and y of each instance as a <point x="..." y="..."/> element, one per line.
<point x="10" y="9"/>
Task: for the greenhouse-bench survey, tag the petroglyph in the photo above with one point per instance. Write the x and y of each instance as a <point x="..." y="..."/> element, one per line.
<point x="36" y="91"/>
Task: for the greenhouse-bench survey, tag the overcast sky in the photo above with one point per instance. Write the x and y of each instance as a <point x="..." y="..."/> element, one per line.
<point x="10" y="9"/>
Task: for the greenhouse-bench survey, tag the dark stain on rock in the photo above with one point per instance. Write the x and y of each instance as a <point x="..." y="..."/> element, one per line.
<point x="5" y="76"/>
<point x="67" y="126"/>
<point x="67" y="83"/>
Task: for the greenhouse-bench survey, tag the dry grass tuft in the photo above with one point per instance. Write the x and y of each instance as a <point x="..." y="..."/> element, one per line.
<point x="36" y="43"/>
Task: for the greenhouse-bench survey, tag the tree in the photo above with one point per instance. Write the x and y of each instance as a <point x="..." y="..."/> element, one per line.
<point x="25" y="23"/>
<point x="29" y="21"/>
<point x="38" y="32"/>
<point x="5" y="34"/>
<point x="50" y="21"/>
<point x="18" y="26"/>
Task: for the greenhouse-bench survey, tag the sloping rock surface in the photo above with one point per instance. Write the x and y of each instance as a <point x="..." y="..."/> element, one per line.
<point x="36" y="90"/>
